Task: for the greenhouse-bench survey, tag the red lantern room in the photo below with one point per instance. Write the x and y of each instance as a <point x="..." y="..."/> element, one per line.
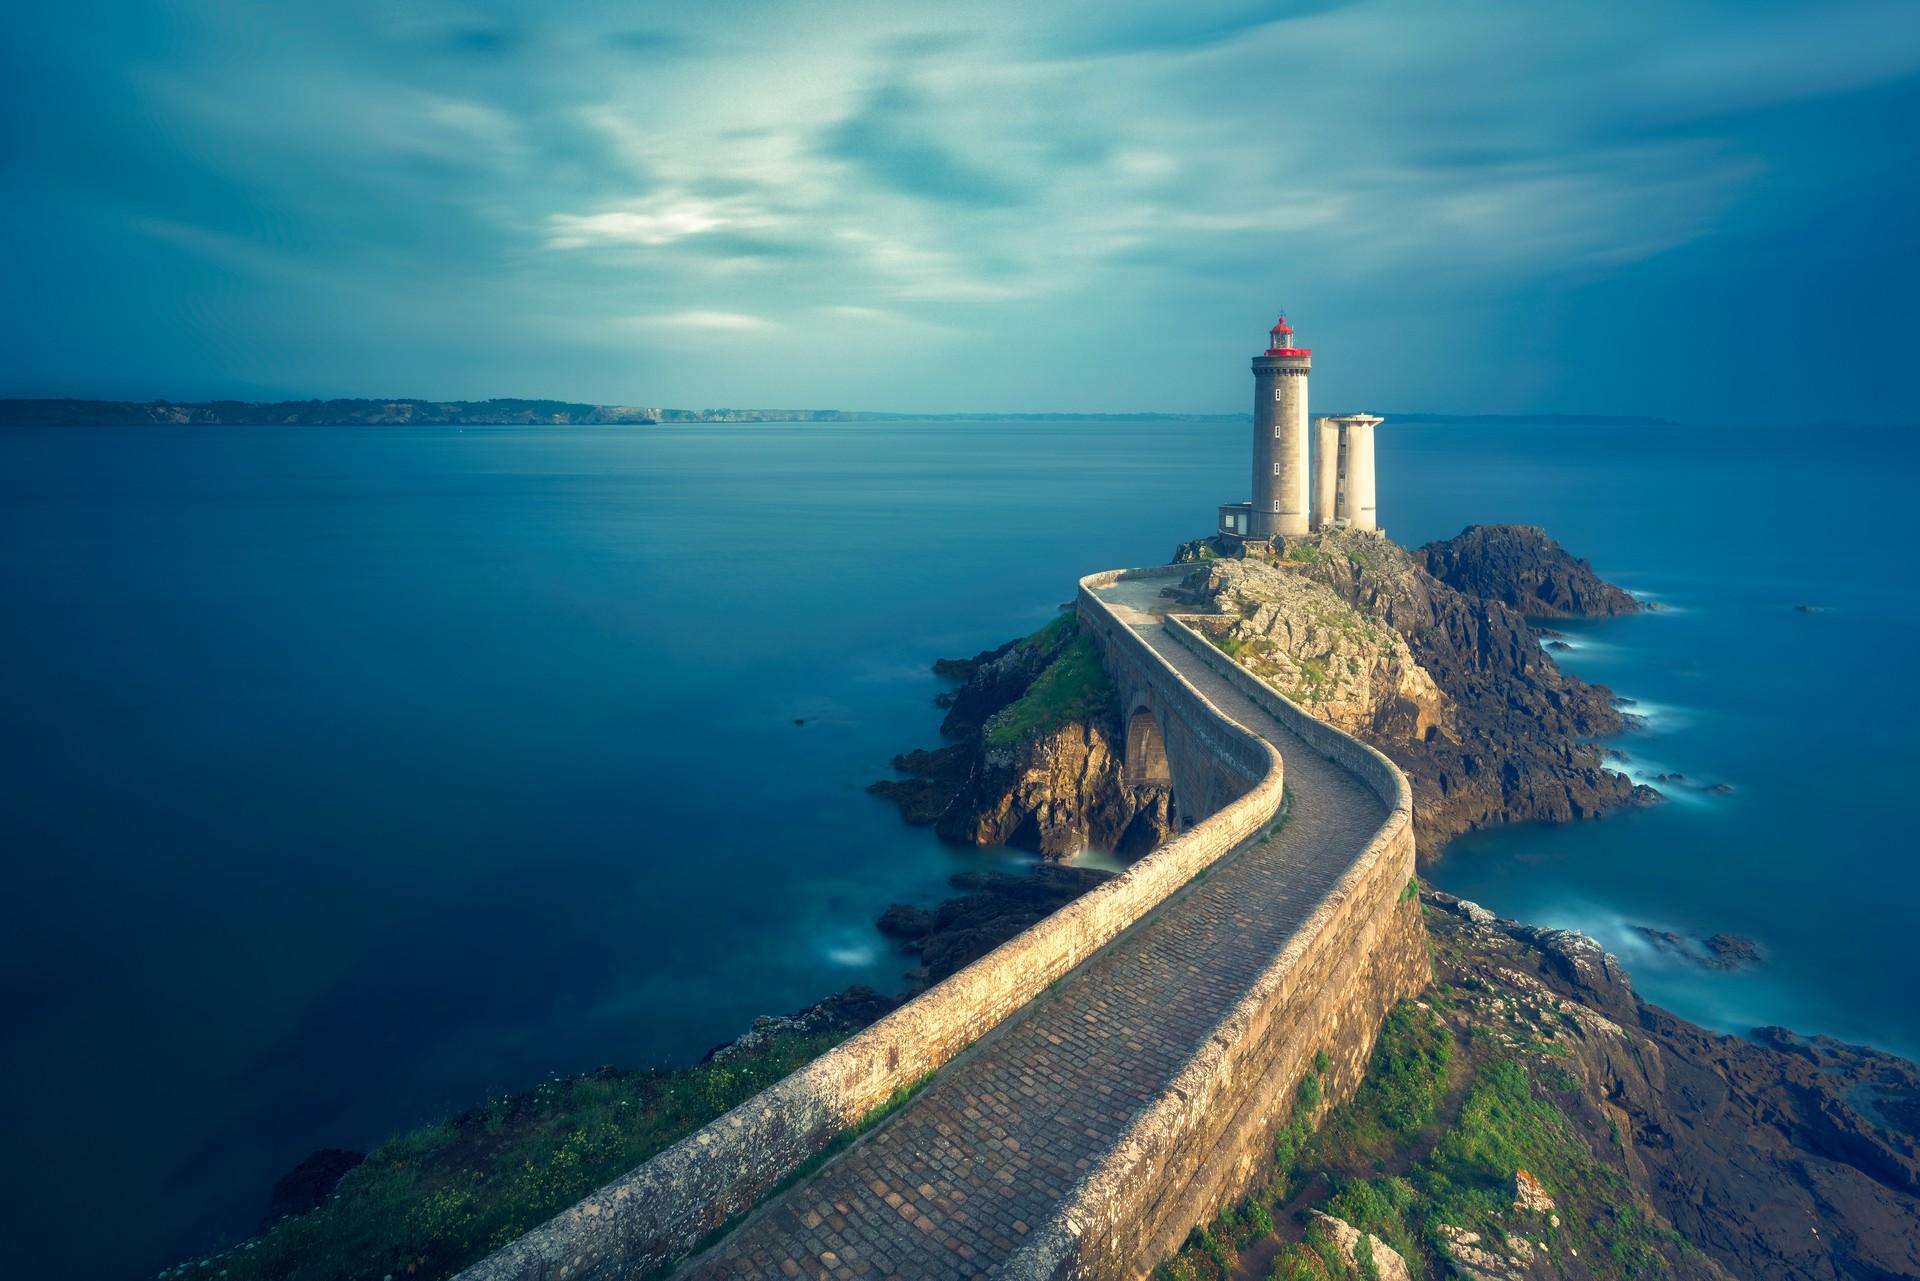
<point x="1280" y="340"/>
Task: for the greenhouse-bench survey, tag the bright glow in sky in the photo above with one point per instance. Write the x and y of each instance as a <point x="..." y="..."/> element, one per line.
<point x="1703" y="210"/>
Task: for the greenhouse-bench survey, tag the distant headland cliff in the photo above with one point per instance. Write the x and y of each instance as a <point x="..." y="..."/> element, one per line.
<point x="509" y="411"/>
<point x="404" y="412"/>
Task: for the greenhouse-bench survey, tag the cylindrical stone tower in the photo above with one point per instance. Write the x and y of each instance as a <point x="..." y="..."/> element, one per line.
<point x="1359" y="505"/>
<point x="1280" y="435"/>
<point x="1326" y="470"/>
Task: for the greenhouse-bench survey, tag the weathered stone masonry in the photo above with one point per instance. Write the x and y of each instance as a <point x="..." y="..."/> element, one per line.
<point x="1345" y="948"/>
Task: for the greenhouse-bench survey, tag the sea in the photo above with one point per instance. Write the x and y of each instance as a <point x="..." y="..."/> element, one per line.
<point x="351" y="776"/>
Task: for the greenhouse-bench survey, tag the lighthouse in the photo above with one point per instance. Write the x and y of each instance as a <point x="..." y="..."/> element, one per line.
<point x="1280" y="478"/>
<point x="1290" y="498"/>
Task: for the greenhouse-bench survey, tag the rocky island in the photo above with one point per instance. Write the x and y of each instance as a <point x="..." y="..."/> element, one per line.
<point x="1427" y="655"/>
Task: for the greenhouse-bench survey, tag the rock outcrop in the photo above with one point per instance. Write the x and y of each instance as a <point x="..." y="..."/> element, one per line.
<point x="991" y="908"/>
<point x="1384" y="1259"/>
<point x="1302" y="638"/>
<point x="1522" y="568"/>
<point x="1453" y="684"/>
<point x="1038" y="761"/>
<point x="845" y="1011"/>
<point x="1508" y="743"/>
<point x="311" y="1182"/>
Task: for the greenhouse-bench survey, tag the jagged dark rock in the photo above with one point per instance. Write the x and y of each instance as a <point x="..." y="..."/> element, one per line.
<point x="937" y="779"/>
<point x="1519" y="566"/>
<point x="848" y="1010"/>
<point x="904" y="921"/>
<point x="1716" y="952"/>
<point x="1514" y="747"/>
<point x="994" y="678"/>
<point x="992" y="908"/>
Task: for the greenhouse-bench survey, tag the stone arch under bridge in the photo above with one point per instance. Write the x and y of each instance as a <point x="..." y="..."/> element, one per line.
<point x="1146" y="751"/>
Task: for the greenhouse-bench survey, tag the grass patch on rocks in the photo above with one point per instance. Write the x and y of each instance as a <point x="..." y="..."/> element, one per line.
<point x="426" y="1204"/>
<point x="1074" y="687"/>
<point x="1424" y="1161"/>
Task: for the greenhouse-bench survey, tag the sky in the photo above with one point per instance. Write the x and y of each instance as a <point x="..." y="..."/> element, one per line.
<point x="1699" y="210"/>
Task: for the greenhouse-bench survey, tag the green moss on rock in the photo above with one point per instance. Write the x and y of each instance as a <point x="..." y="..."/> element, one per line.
<point x="1074" y="687"/>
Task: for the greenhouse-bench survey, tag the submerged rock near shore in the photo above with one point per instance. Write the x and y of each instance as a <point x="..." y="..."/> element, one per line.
<point x="991" y="908"/>
<point x="1715" y="952"/>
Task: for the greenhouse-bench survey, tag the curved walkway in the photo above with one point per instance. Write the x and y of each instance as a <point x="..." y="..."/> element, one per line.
<point x="952" y="1185"/>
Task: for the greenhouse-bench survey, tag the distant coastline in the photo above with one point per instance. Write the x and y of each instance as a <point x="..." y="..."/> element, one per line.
<point x="405" y="412"/>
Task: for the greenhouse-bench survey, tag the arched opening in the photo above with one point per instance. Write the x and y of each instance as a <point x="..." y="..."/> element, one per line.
<point x="1146" y="751"/>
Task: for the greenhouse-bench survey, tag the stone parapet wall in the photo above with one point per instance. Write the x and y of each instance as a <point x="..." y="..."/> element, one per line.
<point x="661" y="1209"/>
<point x="1370" y="765"/>
<point x="1212" y="759"/>
<point x="1207" y="1139"/>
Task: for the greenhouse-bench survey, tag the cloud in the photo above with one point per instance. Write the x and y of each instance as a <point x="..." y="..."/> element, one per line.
<point x="667" y="219"/>
<point x="730" y="322"/>
<point x="892" y="137"/>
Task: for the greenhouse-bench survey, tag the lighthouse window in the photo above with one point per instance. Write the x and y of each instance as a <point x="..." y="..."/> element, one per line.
<point x="1276" y="391"/>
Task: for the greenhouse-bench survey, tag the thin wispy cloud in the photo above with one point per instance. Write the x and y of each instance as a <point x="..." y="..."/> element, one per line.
<point x="728" y="322"/>
<point x="671" y="221"/>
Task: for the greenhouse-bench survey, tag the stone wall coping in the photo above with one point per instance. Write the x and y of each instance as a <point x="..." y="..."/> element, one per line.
<point x="665" y="1206"/>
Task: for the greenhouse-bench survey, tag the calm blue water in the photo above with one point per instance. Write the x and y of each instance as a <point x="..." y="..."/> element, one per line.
<point x="353" y="775"/>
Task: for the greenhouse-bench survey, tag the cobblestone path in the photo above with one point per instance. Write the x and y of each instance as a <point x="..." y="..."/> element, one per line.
<point x="950" y="1186"/>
